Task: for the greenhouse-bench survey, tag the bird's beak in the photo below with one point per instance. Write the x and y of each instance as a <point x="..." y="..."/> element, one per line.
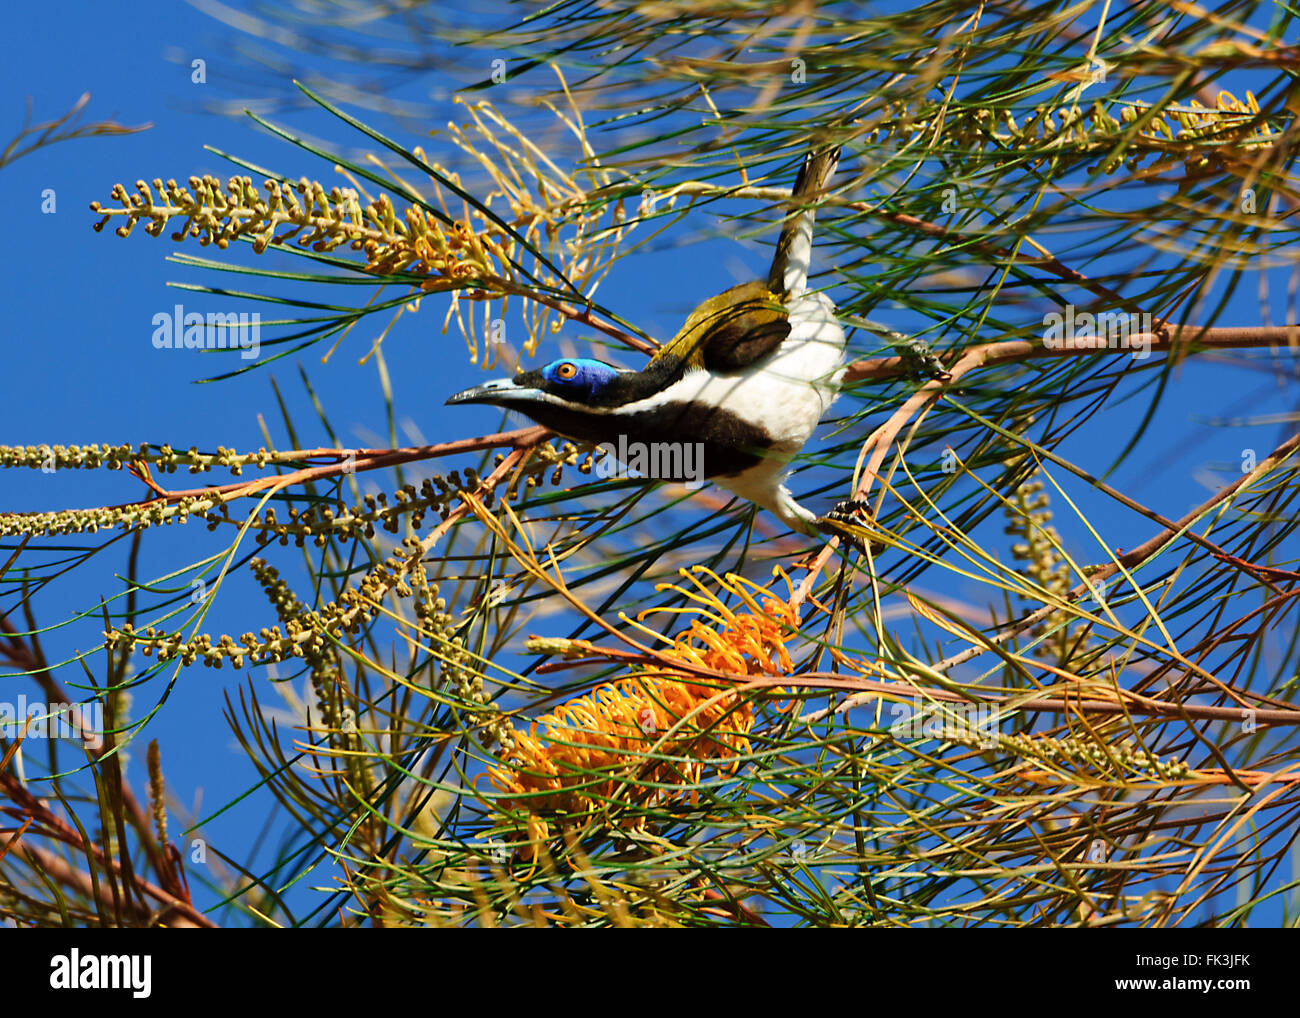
<point x="501" y="392"/>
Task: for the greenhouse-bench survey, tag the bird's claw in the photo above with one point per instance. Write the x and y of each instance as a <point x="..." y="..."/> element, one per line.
<point x="849" y="509"/>
<point x="845" y="522"/>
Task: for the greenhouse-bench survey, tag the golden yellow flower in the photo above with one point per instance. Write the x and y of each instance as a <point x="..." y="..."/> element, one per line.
<point x="648" y="738"/>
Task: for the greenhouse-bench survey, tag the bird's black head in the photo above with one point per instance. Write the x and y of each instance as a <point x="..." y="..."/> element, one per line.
<point x="577" y="381"/>
<point x="573" y="396"/>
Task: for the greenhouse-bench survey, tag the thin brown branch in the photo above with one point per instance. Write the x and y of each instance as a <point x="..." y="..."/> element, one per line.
<point x="1129" y="704"/>
<point x="1183" y="340"/>
<point x="53" y="827"/>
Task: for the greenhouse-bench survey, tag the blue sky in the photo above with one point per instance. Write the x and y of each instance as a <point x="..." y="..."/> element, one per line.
<point x="80" y="366"/>
<point x="79" y="357"/>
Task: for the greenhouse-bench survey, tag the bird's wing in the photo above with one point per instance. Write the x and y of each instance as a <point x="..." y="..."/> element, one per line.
<point x="731" y="331"/>
<point x="789" y="275"/>
<point x="741" y="326"/>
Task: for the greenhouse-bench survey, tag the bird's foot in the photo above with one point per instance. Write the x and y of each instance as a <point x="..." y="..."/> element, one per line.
<point x="849" y="509"/>
<point x="845" y="522"/>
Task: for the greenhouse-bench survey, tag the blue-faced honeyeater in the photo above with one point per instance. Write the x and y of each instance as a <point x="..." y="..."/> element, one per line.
<point x="748" y="376"/>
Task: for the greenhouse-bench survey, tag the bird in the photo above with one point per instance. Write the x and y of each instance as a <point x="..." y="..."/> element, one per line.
<point x="746" y="379"/>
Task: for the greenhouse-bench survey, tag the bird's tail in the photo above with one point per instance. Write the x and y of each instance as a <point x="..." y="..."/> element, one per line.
<point x="789" y="275"/>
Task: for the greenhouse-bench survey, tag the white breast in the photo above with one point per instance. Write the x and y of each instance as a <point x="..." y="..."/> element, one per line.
<point x="788" y="391"/>
<point x="786" y="394"/>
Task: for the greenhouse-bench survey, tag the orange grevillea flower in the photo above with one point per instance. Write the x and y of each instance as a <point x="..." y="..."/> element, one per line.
<point x="649" y="737"/>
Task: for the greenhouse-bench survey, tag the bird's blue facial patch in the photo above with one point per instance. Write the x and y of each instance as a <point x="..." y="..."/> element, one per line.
<point x="579" y="378"/>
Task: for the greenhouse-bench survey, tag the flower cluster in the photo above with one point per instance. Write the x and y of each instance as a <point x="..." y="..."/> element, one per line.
<point x="652" y="736"/>
<point x="550" y="459"/>
<point x="321" y="523"/>
<point x="1196" y="133"/>
<point x="306" y="214"/>
<point x="1029" y="517"/>
<point x="1108" y="760"/>
<point x="218" y="213"/>
<point x="307" y="634"/>
<point x="1205" y="135"/>
<point x="118" y="457"/>
<point x="422" y="245"/>
<point x="533" y="209"/>
<point x="90" y="521"/>
<point x="317" y="524"/>
<point x="459" y="671"/>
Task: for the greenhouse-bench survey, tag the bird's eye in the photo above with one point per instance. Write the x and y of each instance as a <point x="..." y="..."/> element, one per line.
<point x="566" y="371"/>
